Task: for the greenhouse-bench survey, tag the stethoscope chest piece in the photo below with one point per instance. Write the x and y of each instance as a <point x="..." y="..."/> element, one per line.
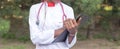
<point x="37" y="22"/>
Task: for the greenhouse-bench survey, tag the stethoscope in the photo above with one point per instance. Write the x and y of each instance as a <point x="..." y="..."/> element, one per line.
<point x="63" y="17"/>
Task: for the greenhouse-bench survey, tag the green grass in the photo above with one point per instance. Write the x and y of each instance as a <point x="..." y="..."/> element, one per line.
<point x="81" y="37"/>
<point x="14" y="47"/>
<point x="4" y="25"/>
<point x="15" y="44"/>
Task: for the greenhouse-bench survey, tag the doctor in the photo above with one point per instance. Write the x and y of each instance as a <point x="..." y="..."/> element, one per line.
<point x="47" y="20"/>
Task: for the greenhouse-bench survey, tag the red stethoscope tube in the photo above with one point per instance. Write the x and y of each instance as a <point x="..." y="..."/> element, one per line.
<point x="63" y="17"/>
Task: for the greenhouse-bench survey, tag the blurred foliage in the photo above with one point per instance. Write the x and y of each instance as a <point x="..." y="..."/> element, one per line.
<point x="90" y="7"/>
<point x="102" y="35"/>
<point x="110" y="15"/>
<point x="109" y="10"/>
<point x="4" y="25"/>
<point x="14" y="7"/>
<point x="8" y="35"/>
<point x="24" y="38"/>
<point x="81" y="36"/>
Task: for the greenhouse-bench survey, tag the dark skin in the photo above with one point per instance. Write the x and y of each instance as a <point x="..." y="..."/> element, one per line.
<point x="71" y="25"/>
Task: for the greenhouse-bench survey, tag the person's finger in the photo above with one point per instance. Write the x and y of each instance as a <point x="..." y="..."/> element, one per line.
<point x="65" y="22"/>
<point x="71" y="23"/>
<point x="66" y="25"/>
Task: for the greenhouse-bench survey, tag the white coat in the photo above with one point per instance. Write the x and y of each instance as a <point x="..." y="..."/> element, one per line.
<point x="42" y="35"/>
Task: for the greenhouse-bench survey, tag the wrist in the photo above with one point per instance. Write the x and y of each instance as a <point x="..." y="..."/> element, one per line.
<point x="71" y="35"/>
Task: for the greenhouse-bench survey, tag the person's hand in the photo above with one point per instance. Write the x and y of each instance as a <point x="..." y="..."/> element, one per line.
<point x="71" y="25"/>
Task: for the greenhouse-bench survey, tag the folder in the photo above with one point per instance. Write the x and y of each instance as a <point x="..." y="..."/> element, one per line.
<point x="63" y="36"/>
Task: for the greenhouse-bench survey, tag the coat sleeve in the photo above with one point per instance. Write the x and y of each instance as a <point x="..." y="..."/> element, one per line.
<point x="70" y="14"/>
<point x="37" y="36"/>
<point x="72" y="43"/>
